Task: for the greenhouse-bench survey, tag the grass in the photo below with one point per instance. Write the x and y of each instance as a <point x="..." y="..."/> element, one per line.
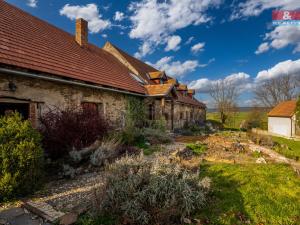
<point x="100" y="220"/>
<point x="236" y="120"/>
<point x="149" y="150"/>
<point x="197" y="149"/>
<point x="287" y="147"/>
<point x="253" y="193"/>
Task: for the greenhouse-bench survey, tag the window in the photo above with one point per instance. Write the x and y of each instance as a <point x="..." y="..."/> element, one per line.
<point x="7" y="108"/>
<point x="89" y="106"/>
<point x="151" y="112"/>
<point x="181" y="115"/>
<point x="166" y="116"/>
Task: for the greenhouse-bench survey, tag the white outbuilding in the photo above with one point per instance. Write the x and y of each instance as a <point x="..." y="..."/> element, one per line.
<point x="282" y="119"/>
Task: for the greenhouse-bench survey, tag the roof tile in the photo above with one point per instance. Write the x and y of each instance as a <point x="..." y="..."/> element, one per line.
<point x="31" y="43"/>
<point x="284" y="109"/>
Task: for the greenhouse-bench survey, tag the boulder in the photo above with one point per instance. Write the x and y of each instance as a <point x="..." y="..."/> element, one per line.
<point x="68" y="219"/>
<point x="261" y="160"/>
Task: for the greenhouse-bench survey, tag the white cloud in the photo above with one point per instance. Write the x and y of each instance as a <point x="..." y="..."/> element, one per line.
<point x="173" y="43"/>
<point x="104" y="35"/>
<point x="144" y="49"/>
<point x="119" y="16"/>
<point x="282" y="36"/>
<point x="176" y="68"/>
<point x="90" y="13"/>
<point x="189" y="40"/>
<point x="154" y="21"/>
<point x="241" y="80"/>
<point x="262" y="48"/>
<point x="256" y="7"/>
<point x="198" y="47"/>
<point x="32" y="3"/>
<point x="287" y="67"/>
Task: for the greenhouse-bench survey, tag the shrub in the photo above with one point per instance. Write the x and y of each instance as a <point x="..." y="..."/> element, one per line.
<point x="156" y="136"/>
<point x="138" y="191"/>
<point x="197" y="149"/>
<point x="69" y="129"/>
<point x="106" y="152"/>
<point x="160" y="124"/>
<point x="255" y="119"/>
<point x="109" y="150"/>
<point x="263" y="140"/>
<point x="21" y="157"/>
<point x="132" y="136"/>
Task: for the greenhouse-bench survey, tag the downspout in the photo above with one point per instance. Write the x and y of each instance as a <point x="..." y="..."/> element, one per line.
<point x="32" y="75"/>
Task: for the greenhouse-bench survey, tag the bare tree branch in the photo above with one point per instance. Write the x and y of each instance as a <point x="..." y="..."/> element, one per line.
<point x="274" y="91"/>
<point x="224" y="93"/>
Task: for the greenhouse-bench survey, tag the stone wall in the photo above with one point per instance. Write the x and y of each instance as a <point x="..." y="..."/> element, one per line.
<point x="44" y="95"/>
<point x="183" y="113"/>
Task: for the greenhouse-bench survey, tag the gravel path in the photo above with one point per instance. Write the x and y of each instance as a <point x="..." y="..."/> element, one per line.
<point x="276" y="156"/>
<point x="67" y="195"/>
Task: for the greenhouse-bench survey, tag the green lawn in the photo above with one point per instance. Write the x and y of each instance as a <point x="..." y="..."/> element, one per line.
<point x="236" y="120"/>
<point x="233" y="122"/>
<point x="259" y="194"/>
<point x="287" y="147"/>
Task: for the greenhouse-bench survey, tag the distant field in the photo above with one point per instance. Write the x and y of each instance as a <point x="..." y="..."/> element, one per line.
<point x="236" y="119"/>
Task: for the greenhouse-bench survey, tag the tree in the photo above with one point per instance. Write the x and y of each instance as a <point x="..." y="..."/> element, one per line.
<point x="273" y="91"/>
<point x="224" y="94"/>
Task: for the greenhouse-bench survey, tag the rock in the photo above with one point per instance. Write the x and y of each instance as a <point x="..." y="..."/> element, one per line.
<point x="261" y="160"/>
<point x="187" y="221"/>
<point x="185" y="154"/>
<point x="3" y="222"/>
<point x="68" y="171"/>
<point x="147" y="143"/>
<point x="68" y="219"/>
<point x="238" y="147"/>
<point x="11" y="213"/>
<point x="43" y="210"/>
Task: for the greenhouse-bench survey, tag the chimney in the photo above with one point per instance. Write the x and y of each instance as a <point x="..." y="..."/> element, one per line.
<point x="81" y="32"/>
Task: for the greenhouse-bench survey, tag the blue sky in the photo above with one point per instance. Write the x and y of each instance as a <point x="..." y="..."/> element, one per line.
<point x="198" y="41"/>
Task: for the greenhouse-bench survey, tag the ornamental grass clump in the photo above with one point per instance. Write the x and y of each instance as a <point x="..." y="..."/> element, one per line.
<point x="141" y="192"/>
<point x="21" y="157"/>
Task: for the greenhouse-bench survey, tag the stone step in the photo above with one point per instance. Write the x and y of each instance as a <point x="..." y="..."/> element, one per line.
<point x="43" y="210"/>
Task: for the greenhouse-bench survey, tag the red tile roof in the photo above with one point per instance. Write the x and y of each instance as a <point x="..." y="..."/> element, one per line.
<point x="284" y="109"/>
<point x="188" y="100"/>
<point x="28" y="42"/>
<point x="142" y="68"/>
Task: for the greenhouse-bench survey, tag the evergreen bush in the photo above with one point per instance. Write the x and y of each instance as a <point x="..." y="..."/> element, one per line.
<point x="21" y="157"/>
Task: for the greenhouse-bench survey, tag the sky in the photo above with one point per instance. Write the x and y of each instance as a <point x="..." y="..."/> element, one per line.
<point x="197" y="41"/>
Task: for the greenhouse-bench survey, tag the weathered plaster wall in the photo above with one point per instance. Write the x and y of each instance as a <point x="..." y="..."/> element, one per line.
<point x="48" y="95"/>
<point x="45" y="95"/>
<point x="183" y="113"/>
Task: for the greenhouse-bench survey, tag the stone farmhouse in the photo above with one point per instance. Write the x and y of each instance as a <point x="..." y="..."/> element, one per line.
<point x="42" y="66"/>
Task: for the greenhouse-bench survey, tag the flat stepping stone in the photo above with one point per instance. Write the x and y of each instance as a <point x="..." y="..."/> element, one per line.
<point x="11" y="213"/>
<point x="44" y="211"/>
<point x="25" y="219"/>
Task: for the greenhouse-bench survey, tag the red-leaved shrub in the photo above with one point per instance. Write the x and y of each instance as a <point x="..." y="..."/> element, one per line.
<point x="70" y="128"/>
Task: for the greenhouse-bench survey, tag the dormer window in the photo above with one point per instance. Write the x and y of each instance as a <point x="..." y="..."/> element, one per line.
<point x="138" y="79"/>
